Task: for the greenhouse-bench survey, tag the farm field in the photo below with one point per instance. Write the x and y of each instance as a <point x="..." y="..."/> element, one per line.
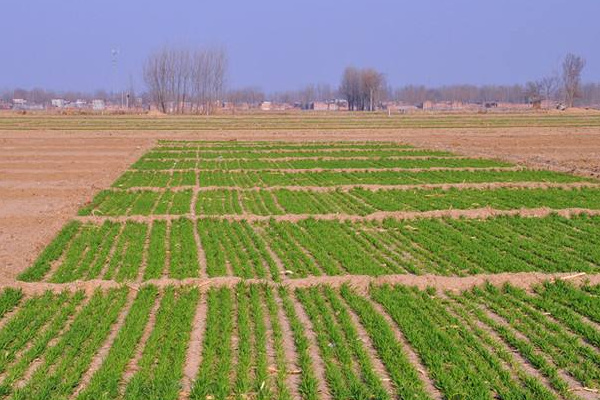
<point x="287" y="270"/>
<point x="297" y="121"/>
<point x="261" y="341"/>
<point x="447" y="219"/>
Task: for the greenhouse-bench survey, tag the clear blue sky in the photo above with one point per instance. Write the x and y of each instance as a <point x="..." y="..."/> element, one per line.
<point x="285" y="44"/>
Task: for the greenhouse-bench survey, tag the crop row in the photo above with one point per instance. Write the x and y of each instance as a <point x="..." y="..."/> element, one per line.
<point x="333" y="178"/>
<point x="478" y="344"/>
<point x="156" y="179"/>
<point x="135" y="251"/>
<point x="408" y="163"/>
<point x="438" y="246"/>
<point x="483" y="343"/>
<point x="139" y="203"/>
<point x="267" y="154"/>
<point x="356" y="201"/>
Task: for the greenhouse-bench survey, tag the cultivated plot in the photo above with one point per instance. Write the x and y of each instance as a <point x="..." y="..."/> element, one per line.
<point x="268" y="342"/>
<point x="278" y="211"/>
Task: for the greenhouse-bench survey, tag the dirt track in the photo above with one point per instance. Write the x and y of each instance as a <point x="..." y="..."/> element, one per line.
<point x="46" y="176"/>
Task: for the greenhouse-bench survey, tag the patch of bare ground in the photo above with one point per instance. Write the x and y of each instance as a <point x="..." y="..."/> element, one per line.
<point x="193" y="356"/>
<point x="410" y="353"/>
<point x="313" y="348"/>
<point x="44" y="179"/>
<point x="102" y="353"/>
<point x="475" y="213"/>
<point x="133" y="365"/>
<point x="524" y="280"/>
<point x="345" y="188"/>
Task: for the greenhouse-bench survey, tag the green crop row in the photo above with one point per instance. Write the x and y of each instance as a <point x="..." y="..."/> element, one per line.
<point x="360" y="201"/>
<point x="234" y="248"/>
<point x="156" y="179"/>
<point x="441" y="246"/>
<point x="64" y="363"/>
<point x="151" y="164"/>
<point x="140" y="202"/>
<point x="357" y="201"/>
<point x="329" y="178"/>
<point x="462" y="365"/>
<point x="135" y="179"/>
<point x="160" y="368"/>
<point x="240" y="369"/>
<point x="128" y="251"/>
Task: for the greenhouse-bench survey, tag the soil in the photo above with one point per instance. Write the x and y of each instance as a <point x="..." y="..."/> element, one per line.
<point x="45" y="176"/>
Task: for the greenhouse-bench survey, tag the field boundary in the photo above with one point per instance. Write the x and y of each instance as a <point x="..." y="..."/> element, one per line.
<point x="473" y="213"/>
<point x="361" y="283"/>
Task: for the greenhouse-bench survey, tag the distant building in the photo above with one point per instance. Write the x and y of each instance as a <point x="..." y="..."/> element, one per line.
<point x="58" y="103"/>
<point x="98" y="105"/>
<point x="266" y="106"/>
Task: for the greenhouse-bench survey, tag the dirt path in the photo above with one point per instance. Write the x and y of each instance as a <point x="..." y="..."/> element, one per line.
<point x="474" y="213"/>
<point x="361" y="283"/>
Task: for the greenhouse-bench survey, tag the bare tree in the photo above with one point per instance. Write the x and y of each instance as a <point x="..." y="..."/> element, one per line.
<point x="572" y="67"/>
<point x="180" y="80"/>
<point x="533" y="91"/>
<point x="363" y="89"/>
<point x="549" y="86"/>
<point x="156" y="76"/>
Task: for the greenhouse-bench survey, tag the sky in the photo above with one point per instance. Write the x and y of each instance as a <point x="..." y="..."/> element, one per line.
<point x="278" y="45"/>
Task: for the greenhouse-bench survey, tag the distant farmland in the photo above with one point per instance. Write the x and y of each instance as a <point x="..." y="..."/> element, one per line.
<point x="298" y="121"/>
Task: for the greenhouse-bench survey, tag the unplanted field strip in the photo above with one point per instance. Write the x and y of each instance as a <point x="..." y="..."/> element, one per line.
<point x="443" y="186"/>
<point x="475" y="213"/>
<point x="525" y="280"/>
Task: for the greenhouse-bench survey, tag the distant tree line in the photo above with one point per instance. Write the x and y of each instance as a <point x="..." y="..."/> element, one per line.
<point x="180" y="80"/>
<point x="565" y="87"/>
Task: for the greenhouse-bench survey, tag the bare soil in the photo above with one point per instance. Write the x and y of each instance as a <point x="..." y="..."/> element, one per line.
<point x="45" y="176"/>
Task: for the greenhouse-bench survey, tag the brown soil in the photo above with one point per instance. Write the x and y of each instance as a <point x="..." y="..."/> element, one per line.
<point x="360" y="283"/>
<point x="45" y="178"/>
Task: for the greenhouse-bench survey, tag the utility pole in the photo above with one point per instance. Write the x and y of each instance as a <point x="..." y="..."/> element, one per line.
<point x="114" y="59"/>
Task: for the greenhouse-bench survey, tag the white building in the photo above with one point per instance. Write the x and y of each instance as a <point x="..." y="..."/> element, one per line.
<point x="98" y="105"/>
<point x="58" y="103"/>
